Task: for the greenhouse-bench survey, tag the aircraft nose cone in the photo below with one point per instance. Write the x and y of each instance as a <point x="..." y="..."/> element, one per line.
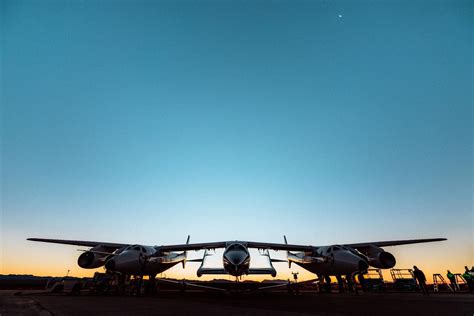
<point x="110" y="265"/>
<point x="235" y="261"/>
<point x="235" y="258"/>
<point x="234" y="267"/>
<point x="363" y="265"/>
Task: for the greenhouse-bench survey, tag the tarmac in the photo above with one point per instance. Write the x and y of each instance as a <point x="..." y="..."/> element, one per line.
<point x="204" y="303"/>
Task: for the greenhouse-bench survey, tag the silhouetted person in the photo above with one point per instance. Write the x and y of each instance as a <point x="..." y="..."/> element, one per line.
<point x="467" y="275"/>
<point x="452" y="279"/>
<point x="340" y="283"/>
<point x="362" y="282"/>
<point x="420" y="277"/>
<point x="325" y="281"/>
<point x="350" y="284"/>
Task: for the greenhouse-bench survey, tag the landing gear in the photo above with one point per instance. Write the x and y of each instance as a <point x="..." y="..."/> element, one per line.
<point x="151" y="284"/>
<point x="340" y="283"/>
<point x="182" y="290"/>
<point x="138" y="285"/>
<point x="352" y="278"/>
<point x="324" y="283"/>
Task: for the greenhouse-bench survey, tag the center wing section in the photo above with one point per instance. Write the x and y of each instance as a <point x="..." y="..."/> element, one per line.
<point x="277" y="246"/>
<point x="223" y="244"/>
<point x="194" y="246"/>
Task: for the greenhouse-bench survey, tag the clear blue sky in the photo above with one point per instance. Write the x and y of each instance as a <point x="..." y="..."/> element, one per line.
<point x="329" y="121"/>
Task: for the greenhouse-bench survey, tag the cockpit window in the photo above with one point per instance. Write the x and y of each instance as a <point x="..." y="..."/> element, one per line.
<point x="329" y="250"/>
<point x="136" y="248"/>
<point x="235" y="247"/>
<point x="336" y="248"/>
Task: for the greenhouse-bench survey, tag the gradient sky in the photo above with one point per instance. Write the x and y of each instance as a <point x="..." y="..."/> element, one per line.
<point x="327" y="121"/>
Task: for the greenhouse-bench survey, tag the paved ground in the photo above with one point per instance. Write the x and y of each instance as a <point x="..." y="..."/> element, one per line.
<point x="173" y="303"/>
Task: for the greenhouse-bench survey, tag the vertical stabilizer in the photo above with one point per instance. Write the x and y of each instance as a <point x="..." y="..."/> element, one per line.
<point x="185" y="253"/>
<point x="287" y="252"/>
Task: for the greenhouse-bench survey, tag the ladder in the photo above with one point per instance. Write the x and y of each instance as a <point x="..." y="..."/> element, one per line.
<point x="437" y="280"/>
<point x="459" y="280"/>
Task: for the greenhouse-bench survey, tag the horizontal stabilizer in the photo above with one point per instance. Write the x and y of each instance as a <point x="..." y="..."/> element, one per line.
<point x="271" y="271"/>
<point x="202" y="271"/>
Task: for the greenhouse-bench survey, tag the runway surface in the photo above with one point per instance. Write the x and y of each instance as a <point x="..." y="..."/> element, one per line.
<point x="200" y="303"/>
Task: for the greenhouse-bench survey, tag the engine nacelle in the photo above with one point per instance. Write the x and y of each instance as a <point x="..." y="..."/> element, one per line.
<point x="382" y="260"/>
<point x="130" y="261"/>
<point x="91" y="260"/>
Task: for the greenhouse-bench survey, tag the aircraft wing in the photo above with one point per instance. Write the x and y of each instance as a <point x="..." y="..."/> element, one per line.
<point x="80" y="243"/>
<point x="277" y="246"/>
<point x="222" y="244"/>
<point x="290" y="247"/>
<point x="178" y="247"/>
<point x="195" y="246"/>
<point x="365" y="245"/>
<point x="250" y="244"/>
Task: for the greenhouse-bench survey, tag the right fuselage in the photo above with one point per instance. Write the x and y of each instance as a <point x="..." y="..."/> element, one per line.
<point x="339" y="260"/>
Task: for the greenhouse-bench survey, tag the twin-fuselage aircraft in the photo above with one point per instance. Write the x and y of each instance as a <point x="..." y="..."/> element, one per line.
<point x="334" y="260"/>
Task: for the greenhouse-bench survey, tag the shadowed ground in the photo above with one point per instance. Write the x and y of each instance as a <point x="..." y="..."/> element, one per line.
<point x="201" y="303"/>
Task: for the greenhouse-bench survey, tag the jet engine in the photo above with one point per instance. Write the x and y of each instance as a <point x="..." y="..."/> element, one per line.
<point x="382" y="259"/>
<point x="130" y="260"/>
<point x="91" y="259"/>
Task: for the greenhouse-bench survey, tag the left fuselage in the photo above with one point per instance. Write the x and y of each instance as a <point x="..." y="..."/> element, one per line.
<point x="143" y="260"/>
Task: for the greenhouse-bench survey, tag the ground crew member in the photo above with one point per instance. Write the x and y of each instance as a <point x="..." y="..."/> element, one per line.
<point x="467" y="275"/>
<point x="340" y="283"/>
<point x="325" y="281"/>
<point x="420" y="277"/>
<point x="350" y="284"/>
<point x="452" y="279"/>
<point x="362" y="282"/>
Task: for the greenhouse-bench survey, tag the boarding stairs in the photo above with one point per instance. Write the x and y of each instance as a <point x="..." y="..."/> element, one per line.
<point x="460" y="281"/>
<point x="438" y="280"/>
<point x="404" y="279"/>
